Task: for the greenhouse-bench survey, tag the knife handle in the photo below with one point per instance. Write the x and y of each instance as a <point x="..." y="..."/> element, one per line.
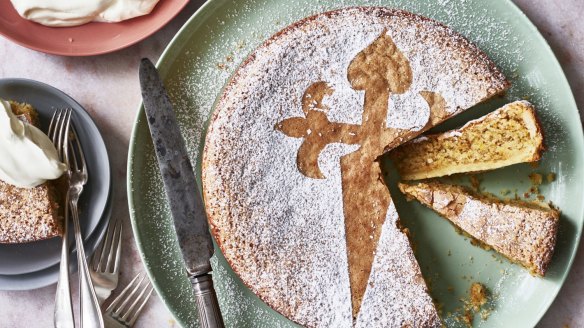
<point x="206" y="298"/>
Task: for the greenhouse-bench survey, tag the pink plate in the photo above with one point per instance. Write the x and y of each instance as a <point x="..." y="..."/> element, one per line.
<point x="85" y="40"/>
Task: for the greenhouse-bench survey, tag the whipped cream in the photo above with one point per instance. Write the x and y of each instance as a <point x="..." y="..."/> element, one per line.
<point x="78" y="12"/>
<point x="28" y="157"/>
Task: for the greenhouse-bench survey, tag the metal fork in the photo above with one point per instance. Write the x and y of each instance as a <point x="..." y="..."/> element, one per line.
<point x="127" y="306"/>
<point x="105" y="262"/>
<point x="63" y="313"/>
<point x="77" y="174"/>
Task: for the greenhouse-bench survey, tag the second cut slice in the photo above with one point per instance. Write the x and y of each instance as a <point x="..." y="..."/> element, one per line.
<point x="524" y="232"/>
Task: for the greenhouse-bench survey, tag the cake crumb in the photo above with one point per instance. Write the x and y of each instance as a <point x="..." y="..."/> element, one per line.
<point x="475" y="304"/>
<point x="536" y="179"/>
<point x="468" y="318"/>
<point x="478" y="295"/>
<point x="550" y="177"/>
<point x="475" y="182"/>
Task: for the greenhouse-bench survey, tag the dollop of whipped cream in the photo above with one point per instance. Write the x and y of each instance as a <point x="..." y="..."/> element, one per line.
<point x="28" y="158"/>
<point x="78" y="12"/>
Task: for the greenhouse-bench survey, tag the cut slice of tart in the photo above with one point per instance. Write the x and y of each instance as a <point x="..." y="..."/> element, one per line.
<point x="509" y="135"/>
<point x="29" y="214"/>
<point x="524" y="232"/>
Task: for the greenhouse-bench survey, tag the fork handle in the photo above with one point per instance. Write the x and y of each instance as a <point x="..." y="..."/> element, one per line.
<point x="90" y="310"/>
<point x="207" y="305"/>
<point x="63" y="315"/>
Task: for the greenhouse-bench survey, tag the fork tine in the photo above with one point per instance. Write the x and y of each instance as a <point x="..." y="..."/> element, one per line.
<point x="64" y="136"/>
<point x="128" y="305"/>
<point x="81" y="154"/>
<point x="99" y="254"/>
<point x="129" y="313"/>
<point x="131" y="296"/>
<point x="113" y="261"/>
<point x="103" y="249"/>
<point x="73" y="155"/>
<point x="145" y="299"/>
<point x="55" y="129"/>
<point x="75" y="148"/>
<point x="123" y="295"/>
<point x="96" y="257"/>
<point x="59" y="132"/>
<point x="51" y="132"/>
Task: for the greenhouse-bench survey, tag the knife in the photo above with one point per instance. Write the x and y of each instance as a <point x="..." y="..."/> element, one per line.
<point x="186" y="204"/>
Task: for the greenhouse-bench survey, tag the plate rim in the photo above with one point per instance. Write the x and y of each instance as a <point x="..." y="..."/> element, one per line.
<point x="103" y="51"/>
<point x="166" y="59"/>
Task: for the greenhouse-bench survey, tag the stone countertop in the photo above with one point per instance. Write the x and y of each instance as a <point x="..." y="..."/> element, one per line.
<point x="108" y="88"/>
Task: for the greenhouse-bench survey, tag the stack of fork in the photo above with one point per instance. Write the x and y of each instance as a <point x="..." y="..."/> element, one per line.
<point x="105" y="270"/>
<point x="98" y="281"/>
<point x="105" y="262"/>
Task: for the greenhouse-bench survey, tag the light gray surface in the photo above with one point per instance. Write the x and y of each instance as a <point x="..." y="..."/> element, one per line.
<point x="107" y="86"/>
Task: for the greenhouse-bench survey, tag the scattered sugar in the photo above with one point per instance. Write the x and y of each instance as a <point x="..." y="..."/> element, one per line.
<point x="252" y="176"/>
<point x="420" y="139"/>
<point x="195" y="85"/>
<point x="453" y="134"/>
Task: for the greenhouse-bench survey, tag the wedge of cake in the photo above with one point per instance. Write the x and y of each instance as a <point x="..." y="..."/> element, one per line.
<point x="507" y="136"/>
<point x="292" y="186"/>
<point x="524" y="232"/>
<point x="29" y="214"/>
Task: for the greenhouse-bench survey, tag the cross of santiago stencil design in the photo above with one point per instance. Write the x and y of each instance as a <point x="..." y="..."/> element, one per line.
<point x="380" y="70"/>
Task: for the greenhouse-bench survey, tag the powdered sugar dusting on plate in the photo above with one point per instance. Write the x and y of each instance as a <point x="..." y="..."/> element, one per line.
<point x="194" y="86"/>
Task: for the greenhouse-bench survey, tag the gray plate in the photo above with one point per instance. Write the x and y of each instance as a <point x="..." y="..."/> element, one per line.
<point x="50" y="275"/>
<point x="18" y="259"/>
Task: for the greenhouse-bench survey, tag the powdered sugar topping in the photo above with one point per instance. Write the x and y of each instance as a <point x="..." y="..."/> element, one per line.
<point x="284" y="232"/>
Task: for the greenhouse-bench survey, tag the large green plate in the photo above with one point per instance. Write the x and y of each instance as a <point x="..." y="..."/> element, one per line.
<point x="211" y="45"/>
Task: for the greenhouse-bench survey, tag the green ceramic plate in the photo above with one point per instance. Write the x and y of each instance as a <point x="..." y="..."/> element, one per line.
<point x="211" y="45"/>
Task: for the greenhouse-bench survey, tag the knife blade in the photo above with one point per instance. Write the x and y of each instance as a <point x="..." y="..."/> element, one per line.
<point x="186" y="204"/>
